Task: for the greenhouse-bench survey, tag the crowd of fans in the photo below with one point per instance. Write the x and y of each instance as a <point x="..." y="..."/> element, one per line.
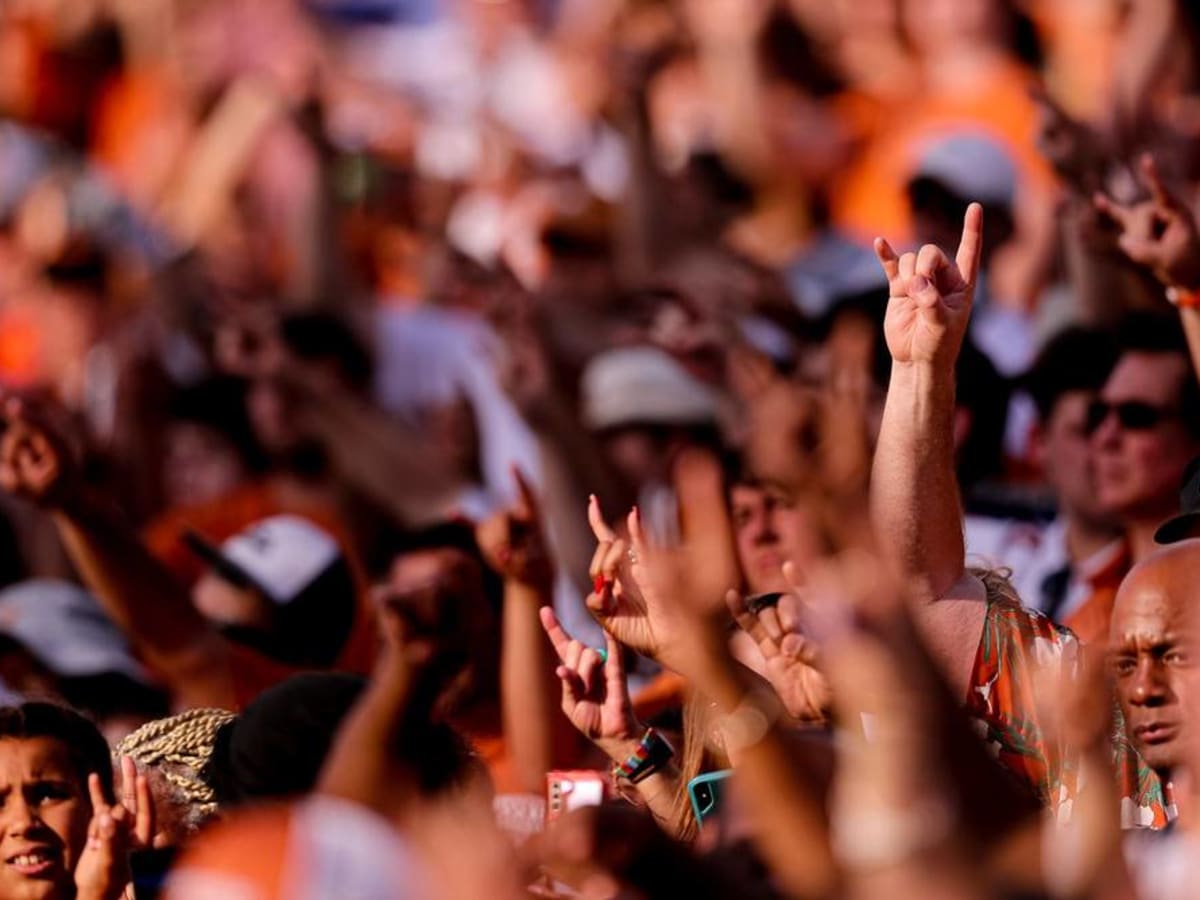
<point x="599" y="448"/>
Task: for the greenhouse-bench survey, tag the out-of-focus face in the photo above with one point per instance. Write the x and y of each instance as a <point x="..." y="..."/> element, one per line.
<point x="44" y="815"/>
<point x="634" y="453"/>
<point x="1153" y="641"/>
<point x="226" y="604"/>
<point x="440" y="594"/>
<point x="200" y="465"/>
<point x="1138" y="469"/>
<point x="267" y="408"/>
<point x="933" y="25"/>
<point x="1067" y="456"/>
<point x="770" y="528"/>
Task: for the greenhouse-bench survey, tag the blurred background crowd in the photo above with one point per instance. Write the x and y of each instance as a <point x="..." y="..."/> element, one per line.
<point x="322" y="320"/>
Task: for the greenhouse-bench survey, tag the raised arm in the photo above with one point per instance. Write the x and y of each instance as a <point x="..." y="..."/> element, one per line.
<point x="136" y="591"/>
<point x="1161" y="234"/>
<point x="513" y="544"/>
<point x="914" y="493"/>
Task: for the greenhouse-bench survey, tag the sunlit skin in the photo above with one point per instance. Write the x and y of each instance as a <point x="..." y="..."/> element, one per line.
<point x="1138" y="471"/>
<point x="1153" y="641"/>
<point x="227" y="604"/>
<point x="1065" y="451"/>
<point x="44" y="815"/>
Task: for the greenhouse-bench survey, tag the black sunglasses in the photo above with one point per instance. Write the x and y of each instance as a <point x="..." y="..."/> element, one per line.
<point x="1133" y="415"/>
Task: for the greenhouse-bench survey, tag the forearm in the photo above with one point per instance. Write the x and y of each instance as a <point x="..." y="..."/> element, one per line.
<point x="792" y="829"/>
<point x="361" y="766"/>
<point x="535" y="731"/>
<point x="914" y="489"/>
<point x="1151" y="28"/>
<point x="659" y="792"/>
<point x="731" y="73"/>
<point x="147" y="604"/>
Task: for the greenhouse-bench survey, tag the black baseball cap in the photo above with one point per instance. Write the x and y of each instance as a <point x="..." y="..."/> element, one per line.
<point x="1187" y="523"/>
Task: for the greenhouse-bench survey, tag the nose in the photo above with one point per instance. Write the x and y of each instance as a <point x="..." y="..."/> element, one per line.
<point x="19" y="816"/>
<point x="1149" y="687"/>
<point x="1108" y="432"/>
<point x="762" y="526"/>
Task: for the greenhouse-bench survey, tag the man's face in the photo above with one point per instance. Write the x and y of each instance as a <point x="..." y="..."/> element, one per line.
<point x="771" y="528"/>
<point x="1139" y="464"/>
<point x="1153" y="646"/>
<point x="1067" y="455"/>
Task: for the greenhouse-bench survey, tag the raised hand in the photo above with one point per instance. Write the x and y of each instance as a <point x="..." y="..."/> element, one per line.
<point x="1159" y="232"/>
<point x="930" y="295"/>
<point x="633" y="582"/>
<point x="35" y="462"/>
<point x="116" y="829"/>
<point x="1076" y="151"/>
<point x="791" y="658"/>
<point x="513" y="543"/>
<point x="684" y="587"/>
<point x="595" y="695"/>
<point x="617" y="600"/>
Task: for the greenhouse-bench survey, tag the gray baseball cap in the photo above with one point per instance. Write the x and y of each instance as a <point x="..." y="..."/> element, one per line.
<point x="64" y="627"/>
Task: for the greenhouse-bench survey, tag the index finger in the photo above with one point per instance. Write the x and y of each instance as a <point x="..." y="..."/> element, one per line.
<point x="1153" y="180"/>
<point x="527" y="500"/>
<point x="888" y="258"/>
<point x="1106" y="206"/>
<point x="596" y="519"/>
<point x="96" y="794"/>
<point x="614" y="664"/>
<point x="971" y="246"/>
<point x="144" y="818"/>
<point x="554" y="630"/>
<point x="637" y="535"/>
<point x="129" y="775"/>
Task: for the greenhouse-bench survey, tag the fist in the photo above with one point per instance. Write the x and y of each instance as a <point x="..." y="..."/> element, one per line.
<point x="512" y="541"/>
<point x="35" y="462"/>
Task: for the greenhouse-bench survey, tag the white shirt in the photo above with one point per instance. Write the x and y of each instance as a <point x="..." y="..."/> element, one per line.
<point x="1033" y="553"/>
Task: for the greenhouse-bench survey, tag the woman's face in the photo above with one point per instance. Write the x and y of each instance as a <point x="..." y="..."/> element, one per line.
<point x="44" y="815"/>
<point x="200" y="466"/>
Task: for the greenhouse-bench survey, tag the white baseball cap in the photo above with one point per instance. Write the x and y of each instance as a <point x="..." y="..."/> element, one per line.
<point x="280" y="556"/>
<point x="643" y="386"/>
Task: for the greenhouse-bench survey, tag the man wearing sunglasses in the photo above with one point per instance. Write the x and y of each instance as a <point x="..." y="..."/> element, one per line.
<point x="1145" y="428"/>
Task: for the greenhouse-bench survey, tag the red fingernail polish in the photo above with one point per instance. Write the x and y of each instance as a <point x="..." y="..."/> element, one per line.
<point x="599" y="583"/>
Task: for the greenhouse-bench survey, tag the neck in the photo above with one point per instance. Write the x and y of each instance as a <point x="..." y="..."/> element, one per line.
<point x="1140" y="535"/>
<point x="1086" y="537"/>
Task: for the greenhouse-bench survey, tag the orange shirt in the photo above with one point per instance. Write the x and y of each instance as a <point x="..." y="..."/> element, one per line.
<point x="868" y="197"/>
<point x="1091" y="620"/>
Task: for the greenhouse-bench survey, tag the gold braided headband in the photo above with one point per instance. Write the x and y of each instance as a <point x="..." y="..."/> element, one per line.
<point x="179" y="747"/>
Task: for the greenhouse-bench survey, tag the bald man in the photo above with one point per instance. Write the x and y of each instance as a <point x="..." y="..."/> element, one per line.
<point x="1154" y="642"/>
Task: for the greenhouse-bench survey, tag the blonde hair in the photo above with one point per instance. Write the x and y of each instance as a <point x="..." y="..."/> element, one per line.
<point x="178" y="748"/>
